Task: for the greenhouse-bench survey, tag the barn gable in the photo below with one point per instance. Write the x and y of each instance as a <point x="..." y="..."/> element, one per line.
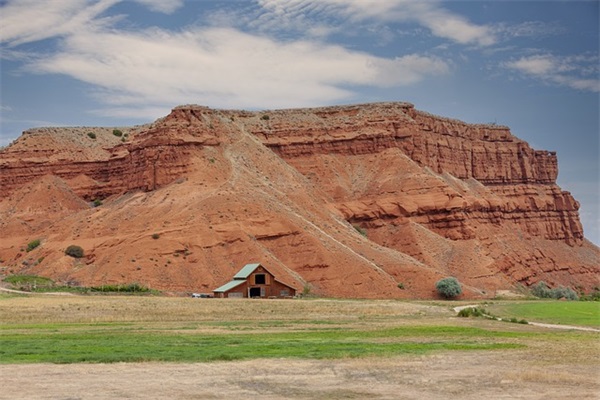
<point x="254" y="281"/>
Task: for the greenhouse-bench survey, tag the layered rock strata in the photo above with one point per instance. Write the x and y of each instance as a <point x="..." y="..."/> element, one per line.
<point x="434" y="196"/>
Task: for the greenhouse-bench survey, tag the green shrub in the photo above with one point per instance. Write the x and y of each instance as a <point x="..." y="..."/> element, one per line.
<point x="91" y="135"/>
<point x="117" y="132"/>
<point x="97" y="203"/>
<point x="360" y="230"/>
<point x="472" y="312"/>
<point x="448" y="287"/>
<point x="306" y="290"/>
<point x="124" y="288"/>
<point x="265" y="117"/>
<point x="593" y="296"/>
<point x="28" y="280"/>
<point x="33" y="244"/>
<point x="543" y="291"/>
<point x="74" y="251"/>
<point x="155" y="236"/>
<point x="564" y="292"/>
<point x="401" y="286"/>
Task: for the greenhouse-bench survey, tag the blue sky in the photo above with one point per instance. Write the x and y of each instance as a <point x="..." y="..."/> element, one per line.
<point x="531" y="65"/>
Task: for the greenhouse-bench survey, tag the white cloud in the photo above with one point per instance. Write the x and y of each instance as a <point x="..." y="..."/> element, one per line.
<point x="534" y="65"/>
<point x="430" y="14"/>
<point x="576" y="72"/>
<point x="26" y="21"/>
<point x="224" y="67"/>
<point x="142" y="71"/>
<point x="163" y="6"/>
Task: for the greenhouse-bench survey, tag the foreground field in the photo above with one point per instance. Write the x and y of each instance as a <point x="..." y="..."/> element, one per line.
<point x="280" y="349"/>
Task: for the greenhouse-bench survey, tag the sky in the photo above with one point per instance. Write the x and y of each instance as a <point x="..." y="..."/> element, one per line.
<point x="530" y="65"/>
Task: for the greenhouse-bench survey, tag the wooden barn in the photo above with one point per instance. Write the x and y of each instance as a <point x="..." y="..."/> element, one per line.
<point x="254" y="281"/>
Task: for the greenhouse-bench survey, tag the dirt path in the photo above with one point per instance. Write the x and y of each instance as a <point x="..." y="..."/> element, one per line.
<point x="3" y="289"/>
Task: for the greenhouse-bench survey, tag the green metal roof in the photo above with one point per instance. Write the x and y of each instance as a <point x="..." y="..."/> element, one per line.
<point x="228" y="286"/>
<point x="246" y="271"/>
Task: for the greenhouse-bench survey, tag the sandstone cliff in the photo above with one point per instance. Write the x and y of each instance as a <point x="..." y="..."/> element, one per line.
<point x="288" y="188"/>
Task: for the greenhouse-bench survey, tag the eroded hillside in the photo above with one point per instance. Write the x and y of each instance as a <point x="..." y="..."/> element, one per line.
<point x="189" y="199"/>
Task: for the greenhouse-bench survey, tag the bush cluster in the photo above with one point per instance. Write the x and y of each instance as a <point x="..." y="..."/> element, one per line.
<point x="472" y="312"/>
<point x="125" y="288"/>
<point x="543" y="291"/>
<point x="74" y="251"/>
<point x="593" y="296"/>
<point x="448" y="287"/>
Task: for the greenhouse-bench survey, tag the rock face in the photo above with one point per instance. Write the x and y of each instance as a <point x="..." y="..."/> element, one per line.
<point x="190" y="198"/>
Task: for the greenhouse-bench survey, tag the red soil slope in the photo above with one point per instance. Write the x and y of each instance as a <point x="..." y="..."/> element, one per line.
<point x="436" y="197"/>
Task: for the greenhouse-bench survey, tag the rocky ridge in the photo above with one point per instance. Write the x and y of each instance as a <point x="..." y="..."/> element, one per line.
<point x="290" y="188"/>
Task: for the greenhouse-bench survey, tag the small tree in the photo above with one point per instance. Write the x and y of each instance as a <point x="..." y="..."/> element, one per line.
<point x="74" y="251"/>
<point x="448" y="287"/>
<point x="117" y="132"/>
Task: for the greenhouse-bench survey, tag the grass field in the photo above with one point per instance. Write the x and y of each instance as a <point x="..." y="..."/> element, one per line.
<point x="583" y="313"/>
<point x="323" y="348"/>
<point x="73" y="329"/>
<point x="129" y="329"/>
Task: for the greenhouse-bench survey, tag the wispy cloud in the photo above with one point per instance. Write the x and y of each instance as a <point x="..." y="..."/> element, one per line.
<point x="527" y="29"/>
<point x="224" y="67"/>
<point x="441" y="22"/>
<point x="25" y="21"/>
<point x="137" y="72"/>
<point x="162" y="6"/>
<point x="577" y="72"/>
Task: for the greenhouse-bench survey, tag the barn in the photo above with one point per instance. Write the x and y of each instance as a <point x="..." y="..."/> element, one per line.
<point x="254" y="281"/>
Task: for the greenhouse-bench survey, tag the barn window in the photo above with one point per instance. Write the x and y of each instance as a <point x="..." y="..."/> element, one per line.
<point x="260" y="279"/>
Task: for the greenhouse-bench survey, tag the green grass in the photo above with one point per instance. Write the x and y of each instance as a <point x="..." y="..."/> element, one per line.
<point x="40" y="284"/>
<point x="23" y="280"/>
<point x="109" y="345"/>
<point x="553" y="312"/>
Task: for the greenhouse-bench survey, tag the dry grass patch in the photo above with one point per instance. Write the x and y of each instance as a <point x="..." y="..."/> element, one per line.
<point x="372" y="349"/>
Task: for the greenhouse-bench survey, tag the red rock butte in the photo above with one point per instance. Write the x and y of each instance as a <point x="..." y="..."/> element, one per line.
<point x="365" y="201"/>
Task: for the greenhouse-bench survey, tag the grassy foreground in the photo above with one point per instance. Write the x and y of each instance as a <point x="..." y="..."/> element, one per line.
<point x="72" y="329"/>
